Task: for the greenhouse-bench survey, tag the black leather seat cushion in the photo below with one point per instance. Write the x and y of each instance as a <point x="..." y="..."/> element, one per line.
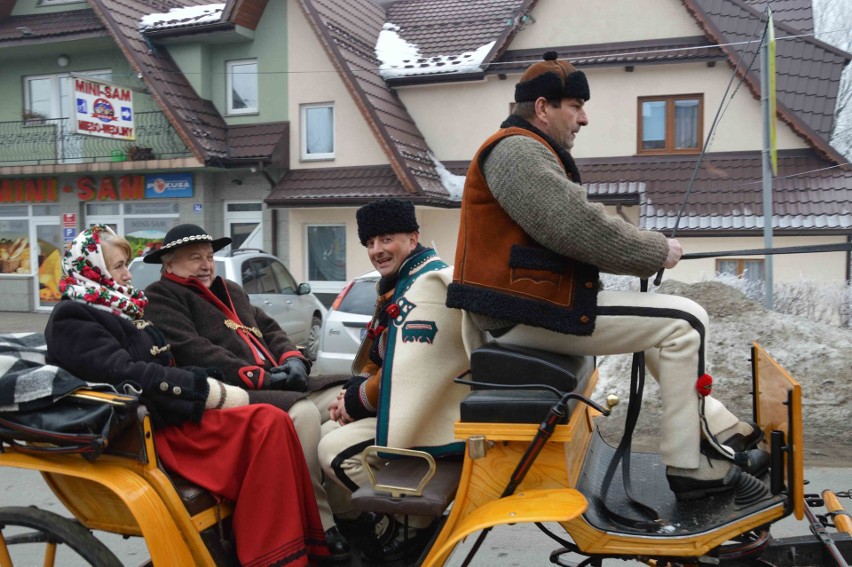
<point x="510" y="364"/>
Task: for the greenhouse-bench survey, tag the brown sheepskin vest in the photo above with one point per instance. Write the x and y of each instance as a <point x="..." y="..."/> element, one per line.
<point x="501" y="272"/>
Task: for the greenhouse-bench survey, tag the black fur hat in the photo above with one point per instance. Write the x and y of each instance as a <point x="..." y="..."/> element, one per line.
<point x="385" y="216"/>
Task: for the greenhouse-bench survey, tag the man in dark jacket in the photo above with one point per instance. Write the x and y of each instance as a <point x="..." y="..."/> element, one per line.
<point x="209" y="321"/>
<point x="530" y="250"/>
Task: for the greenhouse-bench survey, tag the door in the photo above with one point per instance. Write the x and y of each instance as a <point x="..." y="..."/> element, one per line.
<point x="243" y="220"/>
<point x="48" y="253"/>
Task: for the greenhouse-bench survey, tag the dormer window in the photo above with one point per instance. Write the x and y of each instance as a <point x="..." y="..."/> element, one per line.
<point x="317" y="131"/>
<point x="242" y="87"/>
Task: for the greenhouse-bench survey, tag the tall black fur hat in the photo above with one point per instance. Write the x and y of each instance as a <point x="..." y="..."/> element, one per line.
<point x="181" y="235"/>
<point x="553" y="79"/>
<point x="385" y="216"/>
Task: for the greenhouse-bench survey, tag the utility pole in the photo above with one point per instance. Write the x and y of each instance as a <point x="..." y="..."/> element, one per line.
<point x="767" y="105"/>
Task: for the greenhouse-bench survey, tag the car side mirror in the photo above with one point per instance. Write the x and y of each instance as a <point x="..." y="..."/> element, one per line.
<point x="304" y="288"/>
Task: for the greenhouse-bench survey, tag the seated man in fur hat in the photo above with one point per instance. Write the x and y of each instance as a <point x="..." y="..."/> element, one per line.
<point x="209" y="321"/>
<point x="528" y="257"/>
<point x="402" y="393"/>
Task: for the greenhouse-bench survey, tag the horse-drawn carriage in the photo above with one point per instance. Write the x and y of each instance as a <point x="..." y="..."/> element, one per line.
<point x="533" y="455"/>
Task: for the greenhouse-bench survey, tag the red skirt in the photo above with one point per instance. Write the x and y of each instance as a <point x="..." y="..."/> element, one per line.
<point x="251" y="456"/>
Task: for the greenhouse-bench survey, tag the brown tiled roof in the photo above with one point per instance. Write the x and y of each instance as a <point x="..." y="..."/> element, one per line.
<point x="809" y="193"/>
<point x="795" y="13"/>
<point x="666" y="50"/>
<point x="337" y="186"/>
<point x="449" y="27"/>
<point x="197" y="121"/>
<point x="73" y="24"/>
<point x="808" y="71"/>
<point x="348" y="30"/>
<point x="259" y="141"/>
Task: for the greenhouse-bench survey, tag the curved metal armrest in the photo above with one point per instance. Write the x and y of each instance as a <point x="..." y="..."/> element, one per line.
<point x="397" y="491"/>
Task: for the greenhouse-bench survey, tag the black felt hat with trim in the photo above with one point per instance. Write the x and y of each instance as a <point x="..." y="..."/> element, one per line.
<point x="181" y="235"/>
<point x="385" y="216"/>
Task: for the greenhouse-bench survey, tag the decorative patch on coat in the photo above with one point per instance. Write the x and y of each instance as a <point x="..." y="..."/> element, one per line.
<point x="419" y="332"/>
<point x="405" y="307"/>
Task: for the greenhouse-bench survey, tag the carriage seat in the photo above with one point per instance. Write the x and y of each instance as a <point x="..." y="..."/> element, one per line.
<point x="414" y="483"/>
<point x="131" y="444"/>
<point x="526" y="367"/>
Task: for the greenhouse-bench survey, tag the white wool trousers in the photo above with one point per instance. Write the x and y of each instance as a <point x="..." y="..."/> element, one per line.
<point x="672" y="332"/>
<point x="308" y="416"/>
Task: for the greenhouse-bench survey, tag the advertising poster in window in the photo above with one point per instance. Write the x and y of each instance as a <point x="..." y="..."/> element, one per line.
<point x="14" y="247"/>
<point x="50" y="251"/>
<point x="145" y="235"/>
<point x="103" y="110"/>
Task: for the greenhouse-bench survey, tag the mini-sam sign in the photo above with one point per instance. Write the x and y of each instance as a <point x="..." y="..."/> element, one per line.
<point x="104" y="110"/>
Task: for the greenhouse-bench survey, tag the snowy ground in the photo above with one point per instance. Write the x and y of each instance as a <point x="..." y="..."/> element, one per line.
<point x="817" y="355"/>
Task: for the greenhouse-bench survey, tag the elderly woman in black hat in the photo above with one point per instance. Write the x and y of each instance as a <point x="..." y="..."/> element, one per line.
<point x="205" y="431"/>
<point x="208" y="318"/>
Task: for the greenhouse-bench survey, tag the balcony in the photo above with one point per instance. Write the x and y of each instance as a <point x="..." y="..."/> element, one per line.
<point x="52" y="141"/>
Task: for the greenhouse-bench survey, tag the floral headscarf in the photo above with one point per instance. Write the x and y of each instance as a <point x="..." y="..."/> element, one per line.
<point x="87" y="279"/>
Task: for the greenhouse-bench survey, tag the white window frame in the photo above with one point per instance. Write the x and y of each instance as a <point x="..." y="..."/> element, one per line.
<point x="303" y="122"/>
<point x="243" y="217"/>
<point x="322" y="286"/>
<point x="229" y="66"/>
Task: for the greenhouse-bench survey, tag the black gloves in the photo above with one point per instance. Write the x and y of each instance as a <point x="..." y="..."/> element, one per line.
<point x="292" y="375"/>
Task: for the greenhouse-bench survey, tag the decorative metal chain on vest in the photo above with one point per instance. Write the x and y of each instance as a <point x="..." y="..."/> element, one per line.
<point x="234" y="326"/>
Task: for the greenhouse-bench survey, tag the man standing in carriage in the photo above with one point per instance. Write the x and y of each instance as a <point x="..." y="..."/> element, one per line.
<point x="530" y="250"/>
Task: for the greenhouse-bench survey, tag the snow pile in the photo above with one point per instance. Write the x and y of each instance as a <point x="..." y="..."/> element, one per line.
<point x="454" y="184"/>
<point x="817" y="355"/>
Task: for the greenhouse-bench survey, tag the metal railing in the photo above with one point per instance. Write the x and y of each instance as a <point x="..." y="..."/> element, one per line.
<point x="51" y="141"/>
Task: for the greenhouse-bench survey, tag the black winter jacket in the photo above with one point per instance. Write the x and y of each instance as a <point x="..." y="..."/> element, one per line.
<point x="98" y="346"/>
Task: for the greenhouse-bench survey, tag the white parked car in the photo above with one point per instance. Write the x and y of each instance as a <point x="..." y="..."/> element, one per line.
<point x="346" y="324"/>
<point x="269" y="286"/>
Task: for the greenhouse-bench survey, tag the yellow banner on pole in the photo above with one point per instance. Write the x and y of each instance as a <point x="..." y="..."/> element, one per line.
<point x="773" y="146"/>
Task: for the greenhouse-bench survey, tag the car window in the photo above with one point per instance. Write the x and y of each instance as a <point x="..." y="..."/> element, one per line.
<point x="144" y="274"/>
<point x="251" y="281"/>
<point x="261" y="276"/>
<point x="361" y="298"/>
<point x="286" y="283"/>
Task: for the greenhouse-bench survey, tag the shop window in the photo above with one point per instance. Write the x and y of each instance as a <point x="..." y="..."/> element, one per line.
<point x="670" y="124"/>
<point x="750" y="270"/>
<point x="31" y="242"/>
<point x="143" y="224"/>
<point x="326" y="256"/>
<point x="242" y="87"/>
<point x="317" y="131"/>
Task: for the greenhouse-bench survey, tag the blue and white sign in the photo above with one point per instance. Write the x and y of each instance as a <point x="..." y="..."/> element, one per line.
<point x="168" y="185"/>
<point x="69" y="234"/>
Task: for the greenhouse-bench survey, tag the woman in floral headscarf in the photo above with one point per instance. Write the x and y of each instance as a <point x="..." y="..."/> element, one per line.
<point x="206" y="431"/>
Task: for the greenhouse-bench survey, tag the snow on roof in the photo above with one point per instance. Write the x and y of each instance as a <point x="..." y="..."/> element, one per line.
<point x="177" y="17"/>
<point x="400" y="58"/>
<point x="454" y="184"/>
